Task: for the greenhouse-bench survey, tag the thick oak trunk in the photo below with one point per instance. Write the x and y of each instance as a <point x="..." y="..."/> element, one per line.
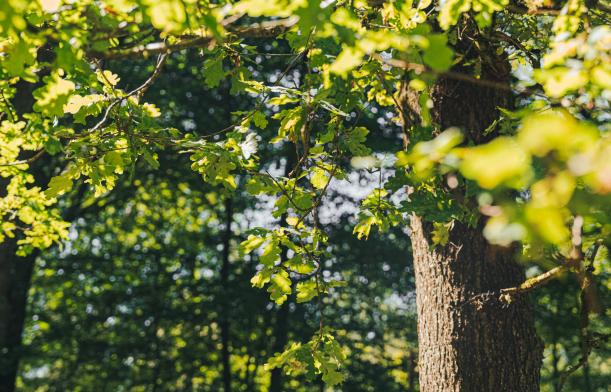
<point x="467" y="346"/>
<point x="464" y="345"/>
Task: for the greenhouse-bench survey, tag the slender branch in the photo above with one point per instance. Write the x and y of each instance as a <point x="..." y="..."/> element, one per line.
<point x="537" y="281"/>
<point x="257" y="30"/>
<point x="520" y="10"/>
<point x="33" y="158"/>
<point x="266" y="95"/>
<point x="534" y="61"/>
<point x="575" y="261"/>
<point x="138" y="91"/>
<point x="593" y="341"/>
<point x="421" y="68"/>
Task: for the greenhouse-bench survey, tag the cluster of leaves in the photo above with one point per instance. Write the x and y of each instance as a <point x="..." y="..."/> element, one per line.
<point x="556" y="161"/>
<point x="322" y="355"/>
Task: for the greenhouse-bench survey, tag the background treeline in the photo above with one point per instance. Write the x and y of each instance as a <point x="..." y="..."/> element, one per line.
<point x="152" y="294"/>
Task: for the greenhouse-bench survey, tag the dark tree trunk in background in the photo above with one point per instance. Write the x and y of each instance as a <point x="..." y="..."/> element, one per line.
<point x="224" y="319"/>
<point x="411" y="372"/>
<point x="282" y="313"/>
<point x="464" y="347"/>
<point x="280" y="340"/>
<point x="15" y="275"/>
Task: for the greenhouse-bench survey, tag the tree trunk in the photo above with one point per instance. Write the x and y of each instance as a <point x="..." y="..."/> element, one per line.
<point x="15" y="271"/>
<point x="282" y="312"/>
<point x="15" y="274"/>
<point x="224" y="324"/>
<point x="465" y="347"/>
<point x="280" y="340"/>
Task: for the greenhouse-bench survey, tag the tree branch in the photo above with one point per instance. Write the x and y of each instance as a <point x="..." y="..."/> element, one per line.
<point x="139" y="91"/>
<point x="33" y="158"/>
<point x="536" y="281"/>
<point x="257" y="30"/>
<point x="521" y="10"/>
<point x="421" y="68"/>
<point x="576" y="260"/>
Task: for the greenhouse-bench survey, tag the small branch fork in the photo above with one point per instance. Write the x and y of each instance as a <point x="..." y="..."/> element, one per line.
<point x="138" y="92"/>
<point x="589" y="342"/>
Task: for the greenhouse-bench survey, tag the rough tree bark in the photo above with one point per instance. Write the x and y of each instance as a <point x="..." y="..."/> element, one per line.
<point x="465" y="347"/>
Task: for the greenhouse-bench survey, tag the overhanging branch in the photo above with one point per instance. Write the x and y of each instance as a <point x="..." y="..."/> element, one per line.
<point x="257" y="30"/>
<point x="421" y="68"/>
<point x="576" y="261"/>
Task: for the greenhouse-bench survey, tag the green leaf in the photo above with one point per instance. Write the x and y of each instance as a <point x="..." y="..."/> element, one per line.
<point x="306" y="291"/>
<point x="441" y="233"/>
<point x="451" y="10"/>
<point x="262" y="277"/>
<point x="303" y="201"/>
<point x="271" y="253"/>
<point x="332" y="377"/>
<point x="502" y="161"/>
<point x="20" y="56"/>
<point x="213" y="71"/>
<point x="282" y="8"/>
<point x="58" y="185"/>
<point x="282" y="100"/>
<point x="108" y="78"/>
<point x="347" y="60"/>
<point x="320" y="178"/>
<point x="438" y="55"/>
<point x="355" y="141"/>
<point x="51" y="98"/>
<point x="363" y="227"/>
<point x="251" y="243"/>
<point x="114" y="160"/>
<point x="549" y="223"/>
<point x="260" y="120"/>
<point x="166" y="15"/>
<point x="280" y="287"/>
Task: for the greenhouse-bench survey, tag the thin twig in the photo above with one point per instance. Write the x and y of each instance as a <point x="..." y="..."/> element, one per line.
<point x="33" y="158"/>
<point x="139" y="91"/>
